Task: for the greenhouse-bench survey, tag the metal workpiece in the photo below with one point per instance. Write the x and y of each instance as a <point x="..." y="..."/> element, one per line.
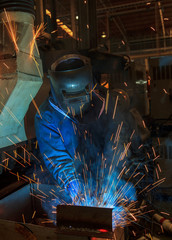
<point x="20" y="76"/>
<point x="85" y="221"/>
<point x="22" y="214"/>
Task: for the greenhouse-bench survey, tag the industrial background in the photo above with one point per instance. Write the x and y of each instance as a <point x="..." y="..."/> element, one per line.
<point x="129" y="44"/>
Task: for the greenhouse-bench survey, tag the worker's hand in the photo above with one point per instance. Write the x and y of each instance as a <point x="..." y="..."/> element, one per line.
<point x="73" y="188"/>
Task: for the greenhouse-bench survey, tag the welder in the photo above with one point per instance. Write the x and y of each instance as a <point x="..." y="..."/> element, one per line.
<point x="78" y="123"/>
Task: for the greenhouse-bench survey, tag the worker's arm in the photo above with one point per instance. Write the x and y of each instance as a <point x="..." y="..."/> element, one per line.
<point x="56" y="157"/>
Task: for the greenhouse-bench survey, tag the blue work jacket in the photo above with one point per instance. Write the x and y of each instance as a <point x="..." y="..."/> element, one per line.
<point x="66" y="143"/>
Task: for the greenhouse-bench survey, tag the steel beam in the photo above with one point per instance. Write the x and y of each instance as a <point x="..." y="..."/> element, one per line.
<point x="87" y="24"/>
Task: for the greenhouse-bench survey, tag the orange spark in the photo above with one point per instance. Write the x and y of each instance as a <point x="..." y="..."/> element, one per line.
<point x="144" y="124"/>
<point x="36" y="34"/>
<point x="11" y="30"/>
<point x="107" y="101"/>
<point x="115" y="107"/>
<point x="33" y="214"/>
<point x="14" y="159"/>
<point x="165" y="91"/>
<point x="34" y="103"/>
<point x="6" y="65"/>
<point x="37" y="197"/>
<point x="23" y="218"/>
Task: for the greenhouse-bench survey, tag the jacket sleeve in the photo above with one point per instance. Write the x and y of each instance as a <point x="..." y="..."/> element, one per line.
<point x="52" y="148"/>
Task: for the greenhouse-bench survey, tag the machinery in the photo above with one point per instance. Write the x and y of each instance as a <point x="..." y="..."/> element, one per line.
<point x="21" y="68"/>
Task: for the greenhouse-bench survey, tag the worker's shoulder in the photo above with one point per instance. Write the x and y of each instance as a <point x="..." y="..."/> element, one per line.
<point x="45" y="112"/>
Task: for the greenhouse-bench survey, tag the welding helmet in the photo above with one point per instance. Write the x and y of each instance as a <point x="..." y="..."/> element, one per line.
<point x="71" y="82"/>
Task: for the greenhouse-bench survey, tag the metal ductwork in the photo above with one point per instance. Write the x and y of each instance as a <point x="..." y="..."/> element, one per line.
<point x="20" y="71"/>
<point x="17" y="6"/>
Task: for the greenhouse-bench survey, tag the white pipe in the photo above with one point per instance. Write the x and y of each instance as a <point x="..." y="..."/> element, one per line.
<point x="166" y="223"/>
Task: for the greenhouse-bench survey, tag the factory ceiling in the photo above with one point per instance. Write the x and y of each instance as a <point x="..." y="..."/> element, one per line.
<point x="130" y="18"/>
<point x="126" y="23"/>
